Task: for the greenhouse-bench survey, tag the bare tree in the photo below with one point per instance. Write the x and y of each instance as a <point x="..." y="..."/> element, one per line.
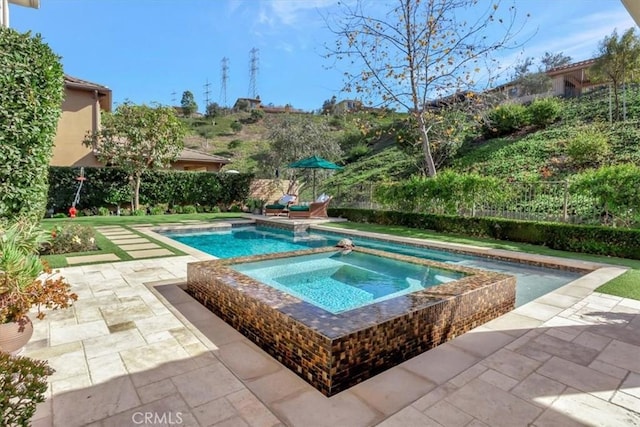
<point x="421" y="50"/>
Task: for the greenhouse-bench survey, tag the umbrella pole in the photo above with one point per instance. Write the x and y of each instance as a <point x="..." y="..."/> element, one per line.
<point x="314" y="185"/>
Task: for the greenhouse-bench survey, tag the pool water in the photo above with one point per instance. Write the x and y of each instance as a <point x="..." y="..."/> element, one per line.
<point x="339" y="282"/>
<point x="532" y="281"/>
<point x="246" y="241"/>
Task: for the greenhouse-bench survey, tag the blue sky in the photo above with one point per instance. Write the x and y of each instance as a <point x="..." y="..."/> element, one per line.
<point x="147" y="50"/>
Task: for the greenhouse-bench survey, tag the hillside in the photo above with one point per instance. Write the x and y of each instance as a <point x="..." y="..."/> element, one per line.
<point x="374" y="157"/>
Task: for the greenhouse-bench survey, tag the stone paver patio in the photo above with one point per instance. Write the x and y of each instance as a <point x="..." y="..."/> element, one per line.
<point x="135" y="345"/>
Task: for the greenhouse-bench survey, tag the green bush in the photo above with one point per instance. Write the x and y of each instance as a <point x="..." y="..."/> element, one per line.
<point x="70" y="238"/>
<point x="110" y="186"/>
<point x="505" y="119"/>
<point x="448" y="191"/>
<point x="23" y="384"/>
<point x="31" y="94"/>
<point x="102" y="211"/>
<point x="236" y="127"/>
<point x="588" y="147"/>
<point x="60" y="215"/>
<point x="189" y="209"/>
<point x="544" y="112"/>
<point x="235" y="144"/>
<point x="159" y="209"/>
<point x="617" y="189"/>
<point x="597" y="240"/>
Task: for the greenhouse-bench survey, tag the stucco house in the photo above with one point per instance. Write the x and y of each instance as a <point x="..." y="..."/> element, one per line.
<point x="83" y="104"/>
<point x="572" y="79"/>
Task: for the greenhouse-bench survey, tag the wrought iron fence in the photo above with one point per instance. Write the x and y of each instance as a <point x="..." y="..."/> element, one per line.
<point x="541" y="201"/>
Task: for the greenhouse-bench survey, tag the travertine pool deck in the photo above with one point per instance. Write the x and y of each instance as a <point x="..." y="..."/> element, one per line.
<point x="135" y="345"/>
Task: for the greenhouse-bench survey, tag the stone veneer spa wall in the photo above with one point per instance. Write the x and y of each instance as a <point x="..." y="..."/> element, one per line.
<point x="333" y="352"/>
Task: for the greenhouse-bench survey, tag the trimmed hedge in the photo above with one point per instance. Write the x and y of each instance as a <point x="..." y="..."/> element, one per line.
<point x="31" y="93"/>
<point x="174" y="188"/>
<point x="617" y="242"/>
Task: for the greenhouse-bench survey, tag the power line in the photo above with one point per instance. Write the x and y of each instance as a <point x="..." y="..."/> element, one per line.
<point x="224" y="79"/>
<point x="253" y="72"/>
<point x="206" y="94"/>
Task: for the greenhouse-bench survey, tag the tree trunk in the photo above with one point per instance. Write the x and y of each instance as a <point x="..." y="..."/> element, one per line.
<point x="426" y="149"/>
<point x="136" y="192"/>
<point x="616" y="101"/>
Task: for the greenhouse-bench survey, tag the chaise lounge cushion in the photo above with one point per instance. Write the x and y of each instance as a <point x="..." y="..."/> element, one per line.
<point x="299" y="208"/>
<point x="275" y="206"/>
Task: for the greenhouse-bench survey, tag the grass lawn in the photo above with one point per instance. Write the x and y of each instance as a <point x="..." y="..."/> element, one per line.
<point x="106" y="246"/>
<point x="627" y="285"/>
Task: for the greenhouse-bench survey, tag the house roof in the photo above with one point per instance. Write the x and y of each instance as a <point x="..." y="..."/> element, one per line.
<point x="571" y="67"/>
<point x="104" y="93"/>
<point x="190" y="155"/>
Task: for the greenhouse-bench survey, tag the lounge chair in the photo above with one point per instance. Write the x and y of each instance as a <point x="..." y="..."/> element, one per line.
<point x="281" y="206"/>
<point x="313" y="210"/>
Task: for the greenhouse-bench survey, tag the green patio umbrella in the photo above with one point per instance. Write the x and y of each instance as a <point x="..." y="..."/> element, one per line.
<point x="314" y="162"/>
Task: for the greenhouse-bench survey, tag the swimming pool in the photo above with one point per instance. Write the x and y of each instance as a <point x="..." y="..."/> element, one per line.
<point x="334" y="351"/>
<point x="532" y="281"/>
<point x="340" y="281"/>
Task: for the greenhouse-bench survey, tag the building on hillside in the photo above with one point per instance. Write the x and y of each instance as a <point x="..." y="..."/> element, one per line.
<point x="82" y="107"/>
<point x="247" y="104"/>
<point x="276" y="109"/>
<point x="572" y="79"/>
<point x="347" y="106"/>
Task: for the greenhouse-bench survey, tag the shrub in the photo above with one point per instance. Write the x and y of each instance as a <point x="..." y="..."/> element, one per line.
<point x="544" y="112"/>
<point x="235" y="144"/>
<point x="236" y="127"/>
<point x="102" y="211"/>
<point x="139" y="212"/>
<point x="159" y="209"/>
<point x="358" y="151"/>
<point x="565" y="237"/>
<point x="505" y="119"/>
<point x="59" y="215"/>
<point x="70" y="238"/>
<point x="23" y="385"/>
<point x="31" y="93"/>
<point x="189" y="209"/>
<point x="616" y="188"/>
<point x="588" y="147"/>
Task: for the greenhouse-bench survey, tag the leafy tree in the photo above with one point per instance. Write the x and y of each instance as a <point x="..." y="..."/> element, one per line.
<point x="530" y="82"/>
<point x="31" y="94"/>
<point x="294" y="138"/>
<point x="188" y="104"/>
<point x="553" y="60"/>
<point x="328" y="105"/>
<point x="213" y="110"/>
<point x="138" y="138"/>
<point x="418" y="51"/>
<point x="618" y="62"/>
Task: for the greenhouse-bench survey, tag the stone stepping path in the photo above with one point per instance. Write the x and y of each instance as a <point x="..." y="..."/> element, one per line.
<point x="133" y="244"/>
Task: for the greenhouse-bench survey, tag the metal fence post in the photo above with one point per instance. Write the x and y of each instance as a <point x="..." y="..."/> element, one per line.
<point x="565" y="202"/>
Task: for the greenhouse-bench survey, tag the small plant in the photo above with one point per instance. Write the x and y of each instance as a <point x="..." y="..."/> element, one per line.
<point x="70" y="238"/>
<point x="59" y="215"/>
<point x="189" y="209"/>
<point x="23" y="384"/>
<point x="588" y="147"/>
<point x="26" y="281"/>
<point x="544" y="112"/>
<point x="140" y="212"/>
<point x="236" y="127"/>
<point x="102" y="211"/>
<point x="505" y="119"/>
<point x="158" y="209"/>
<point x="235" y="144"/>
<point x="215" y="209"/>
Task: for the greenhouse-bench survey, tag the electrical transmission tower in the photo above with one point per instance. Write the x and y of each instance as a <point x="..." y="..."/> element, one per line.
<point x="223" y="82"/>
<point x="173" y="98"/>
<point x="206" y="94"/>
<point x="253" y="73"/>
